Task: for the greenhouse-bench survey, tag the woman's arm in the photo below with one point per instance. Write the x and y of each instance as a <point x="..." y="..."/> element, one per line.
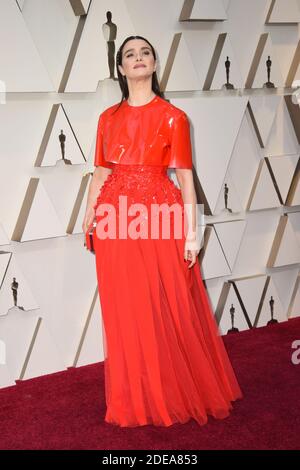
<point x="99" y="176"/>
<point x="186" y="183"/>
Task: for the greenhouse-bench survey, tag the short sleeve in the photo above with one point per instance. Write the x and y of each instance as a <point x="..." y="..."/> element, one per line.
<point x="181" y="147"/>
<point x="99" y="159"/>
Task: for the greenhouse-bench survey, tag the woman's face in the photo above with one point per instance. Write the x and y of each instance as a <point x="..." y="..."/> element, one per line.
<point x="137" y="59"/>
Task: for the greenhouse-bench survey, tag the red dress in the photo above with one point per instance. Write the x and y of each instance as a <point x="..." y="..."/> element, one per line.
<point x="165" y="361"/>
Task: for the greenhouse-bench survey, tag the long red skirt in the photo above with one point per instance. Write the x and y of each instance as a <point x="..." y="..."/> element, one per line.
<point x="165" y="361"/>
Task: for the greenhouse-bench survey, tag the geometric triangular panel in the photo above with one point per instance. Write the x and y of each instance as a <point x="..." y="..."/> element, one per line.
<point x="283" y="169"/>
<point x="263" y="194"/>
<point x="217" y="76"/>
<point x="22" y="69"/>
<point x="79" y="209"/>
<point x="282" y="138"/>
<point x="38" y="218"/>
<point x="18" y="328"/>
<point x="43" y="357"/>
<point x="263" y="110"/>
<point x="52" y="27"/>
<point x="59" y="142"/>
<point x="213" y="148"/>
<point x="201" y="10"/>
<point x="258" y="72"/>
<point x="90" y="62"/>
<point x="195" y="51"/>
<point x="294" y="218"/>
<point x="230" y="235"/>
<point x="245" y="159"/>
<point x="293" y="197"/>
<point x="285" y="248"/>
<point x="179" y="61"/>
<point x="250" y="291"/>
<point x="283" y="12"/>
<point x="285" y="280"/>
<point x="213" y="261"/>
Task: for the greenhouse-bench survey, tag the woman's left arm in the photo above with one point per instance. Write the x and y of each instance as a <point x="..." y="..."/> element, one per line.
<point x="192" y="243"/>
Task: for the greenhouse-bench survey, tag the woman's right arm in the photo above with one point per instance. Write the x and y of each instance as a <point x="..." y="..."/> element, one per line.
<point x="99" y="176"/>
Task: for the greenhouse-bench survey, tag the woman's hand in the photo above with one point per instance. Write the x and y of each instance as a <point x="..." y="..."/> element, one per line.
<point x="99" y="176"/>
<point x="191" y="250"/>
<point x="188" y="193"/>
<point x="88" y="218"/>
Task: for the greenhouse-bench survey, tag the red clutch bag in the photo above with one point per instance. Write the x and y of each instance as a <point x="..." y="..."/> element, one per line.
<point x="89" y="240"/>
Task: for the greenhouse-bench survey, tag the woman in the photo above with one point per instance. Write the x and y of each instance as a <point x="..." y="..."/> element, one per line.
<point x="165" y="361"/>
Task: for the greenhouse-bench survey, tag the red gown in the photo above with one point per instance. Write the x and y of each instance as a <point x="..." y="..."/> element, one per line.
<point x="165" y="361"/>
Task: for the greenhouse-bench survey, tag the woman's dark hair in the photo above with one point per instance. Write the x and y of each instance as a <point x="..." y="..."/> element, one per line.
<point x="122" y="79"/>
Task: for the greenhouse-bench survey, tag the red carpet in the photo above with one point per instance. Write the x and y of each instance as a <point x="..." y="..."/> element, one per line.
<point x="65" y="410"/>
